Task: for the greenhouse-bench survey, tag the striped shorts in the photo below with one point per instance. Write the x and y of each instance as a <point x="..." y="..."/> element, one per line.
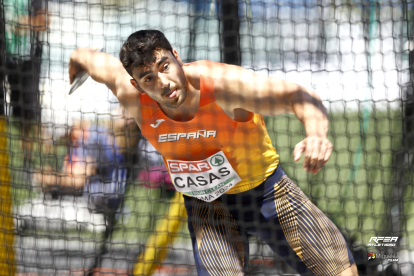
<point x="280" y="214"/>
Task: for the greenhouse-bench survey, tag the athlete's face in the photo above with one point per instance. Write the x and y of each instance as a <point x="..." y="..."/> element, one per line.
<point x="164" y="80"/>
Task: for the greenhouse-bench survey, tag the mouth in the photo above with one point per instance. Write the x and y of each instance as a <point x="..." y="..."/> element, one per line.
<point x="172" y="94"/>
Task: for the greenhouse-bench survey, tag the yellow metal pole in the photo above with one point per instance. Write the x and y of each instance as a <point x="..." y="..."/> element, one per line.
<point x="156" y="247"/>
<point x="7" y="266"/>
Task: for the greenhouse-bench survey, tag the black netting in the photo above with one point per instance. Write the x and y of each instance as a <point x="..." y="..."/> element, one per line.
<point x="83" y="190"/>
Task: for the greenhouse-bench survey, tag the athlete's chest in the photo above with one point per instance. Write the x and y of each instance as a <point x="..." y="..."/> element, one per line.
<point x="207" y="133"/>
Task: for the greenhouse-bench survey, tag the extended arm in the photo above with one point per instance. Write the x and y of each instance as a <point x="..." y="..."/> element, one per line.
<point x="106" y="69"/>
<point x="102" y="67"/>
<point x="240" y="88"/>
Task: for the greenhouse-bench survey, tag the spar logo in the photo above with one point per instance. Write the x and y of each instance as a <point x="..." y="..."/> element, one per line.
<point x="187" y="167"/>
<point x="371" y="256"/>
<point x="217" y="160"/>
<point x="382" y="241"/>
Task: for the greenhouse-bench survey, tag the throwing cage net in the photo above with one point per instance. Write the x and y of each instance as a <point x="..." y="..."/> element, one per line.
<point x="83" y="191"/>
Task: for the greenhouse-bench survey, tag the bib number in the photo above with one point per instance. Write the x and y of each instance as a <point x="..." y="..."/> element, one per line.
<point x="206" y="180"/>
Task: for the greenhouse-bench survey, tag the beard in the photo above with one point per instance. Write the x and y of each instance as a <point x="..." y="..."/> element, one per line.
<point x="172" y="103"/>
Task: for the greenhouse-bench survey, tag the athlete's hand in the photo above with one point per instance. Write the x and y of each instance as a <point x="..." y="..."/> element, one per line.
<point x="317" y="152"/>
<point x="74" y="66"/>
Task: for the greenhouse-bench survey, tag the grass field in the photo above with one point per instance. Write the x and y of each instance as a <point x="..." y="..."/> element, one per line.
<point x="356" y="189"/>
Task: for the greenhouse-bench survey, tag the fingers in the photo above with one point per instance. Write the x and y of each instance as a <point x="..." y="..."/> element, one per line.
<point x="317" y="153"/>
<point x="323" y="156"/>
<point x="76" y="56"/>
<point x="297" y="152"/>
<point x="71" y="78"/>
<point x="73" y="70"/>
<point x="327" y="153"/>
<point x="311" y="156"/>
<point x="74" y="66"/>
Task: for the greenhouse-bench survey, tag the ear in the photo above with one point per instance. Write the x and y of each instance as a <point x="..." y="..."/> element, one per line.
<point x="135" y="84"/>
<point x="177" y="57"/>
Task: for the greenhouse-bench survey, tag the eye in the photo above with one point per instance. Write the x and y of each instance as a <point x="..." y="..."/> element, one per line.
<point x="147" y="79"/>
<point x="166" y="66"/>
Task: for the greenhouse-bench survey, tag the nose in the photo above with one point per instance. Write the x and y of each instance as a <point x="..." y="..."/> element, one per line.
<point x="164" y="82"/>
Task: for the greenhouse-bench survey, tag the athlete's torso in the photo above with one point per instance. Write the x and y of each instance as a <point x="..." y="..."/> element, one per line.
<point x="246" y="145"/>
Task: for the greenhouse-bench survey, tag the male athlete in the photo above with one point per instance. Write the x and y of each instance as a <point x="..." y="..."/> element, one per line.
<point x="205" y="118"/>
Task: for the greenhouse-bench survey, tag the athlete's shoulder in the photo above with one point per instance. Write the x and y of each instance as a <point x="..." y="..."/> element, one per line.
<point x="206" y="68"/>
<point x="203" y="64"/>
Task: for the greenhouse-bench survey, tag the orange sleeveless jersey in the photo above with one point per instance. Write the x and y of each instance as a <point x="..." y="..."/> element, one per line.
<point x="246" y="145"/>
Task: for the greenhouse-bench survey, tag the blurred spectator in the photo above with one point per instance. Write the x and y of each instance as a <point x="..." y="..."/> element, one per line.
<point x="106" y="187"/>
<point x="152" y="172"/>
<point x="91" y="166"/>
<point x="21" y="25"/>
<point x="74" y="164"/>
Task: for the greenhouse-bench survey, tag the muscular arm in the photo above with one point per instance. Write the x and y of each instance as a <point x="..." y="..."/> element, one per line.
<point x="106" y="69"/>
<point x="102" y="67"/>
<point x="238" y="88"/>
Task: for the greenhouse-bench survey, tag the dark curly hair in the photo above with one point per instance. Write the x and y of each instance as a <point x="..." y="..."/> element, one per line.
<point x="139" y="49"/>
